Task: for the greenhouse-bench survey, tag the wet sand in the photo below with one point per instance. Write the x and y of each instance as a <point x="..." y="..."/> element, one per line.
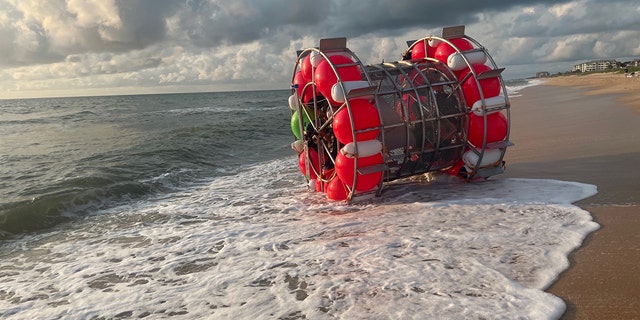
<point x="587" y="129"/>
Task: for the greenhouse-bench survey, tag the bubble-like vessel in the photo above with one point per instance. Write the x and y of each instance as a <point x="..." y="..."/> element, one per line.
<point x="442" y="107"/>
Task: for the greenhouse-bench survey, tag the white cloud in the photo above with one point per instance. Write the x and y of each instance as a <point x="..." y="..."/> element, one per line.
<point x="90" y="13"/>
<point x="572" y="8"/>
<point x="80" y="46"/>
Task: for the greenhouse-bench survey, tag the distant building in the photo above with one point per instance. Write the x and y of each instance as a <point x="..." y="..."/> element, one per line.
<point x="634" y="63"/>
<point x="596" y="65"/>
<point x="542" y="74"/>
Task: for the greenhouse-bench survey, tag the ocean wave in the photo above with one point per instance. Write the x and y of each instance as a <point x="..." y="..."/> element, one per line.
<point x="515" y="85"/>
<point x="258" y="245"/>
<point x="64" y="159"/>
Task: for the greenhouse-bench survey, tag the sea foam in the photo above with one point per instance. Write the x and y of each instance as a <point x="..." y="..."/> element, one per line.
<point x="259" y="245"/>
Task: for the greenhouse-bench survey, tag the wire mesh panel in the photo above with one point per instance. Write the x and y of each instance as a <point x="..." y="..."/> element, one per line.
<point x="443" y="107"/>
<point x="423" y="119"/>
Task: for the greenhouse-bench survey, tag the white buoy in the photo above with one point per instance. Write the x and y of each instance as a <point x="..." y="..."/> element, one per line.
<point x="293" y="102"/>
<point x="489" y="157"/>
<point x="338" y="95"/>
<point x="434" y="42"/>
<point x="493" y="102"/>
<point x="315" y="57"/>
<point x="298" y="146"/>
<point x="456" y="62"/>
<point x="312" y="185"/>
<point x="365" y="148"/>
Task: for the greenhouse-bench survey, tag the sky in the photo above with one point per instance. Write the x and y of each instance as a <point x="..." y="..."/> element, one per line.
<point x="104" y="47"/>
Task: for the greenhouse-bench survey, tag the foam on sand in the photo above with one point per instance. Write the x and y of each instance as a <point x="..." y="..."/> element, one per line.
<point x="241" y="247"/>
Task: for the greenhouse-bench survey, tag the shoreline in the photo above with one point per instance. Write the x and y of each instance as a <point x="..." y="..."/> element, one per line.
<point x="572" y="128"/>
<point x="627" y="89"/>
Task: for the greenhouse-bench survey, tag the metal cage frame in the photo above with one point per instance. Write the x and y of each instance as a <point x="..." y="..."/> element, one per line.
<point x="436" y="92"/>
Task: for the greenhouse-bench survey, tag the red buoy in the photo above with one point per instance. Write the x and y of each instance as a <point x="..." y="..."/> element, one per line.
<point x="325" y="77"/>
<point x="336" y="190"/>
<point x="443" y="50"/>
<point x="365" y="116"/>
<point x="345" y="171"/>
<point x="496" y="128"/>
<point x="490" y="87"/>
<point x="315" y="164"/>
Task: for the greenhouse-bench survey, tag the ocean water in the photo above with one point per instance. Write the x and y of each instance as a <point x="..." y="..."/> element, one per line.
<point x="191" y="206"/>
<point x="515" y="85"/>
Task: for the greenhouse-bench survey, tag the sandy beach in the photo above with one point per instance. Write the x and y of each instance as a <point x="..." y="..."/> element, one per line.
<point x="587" y="129"/>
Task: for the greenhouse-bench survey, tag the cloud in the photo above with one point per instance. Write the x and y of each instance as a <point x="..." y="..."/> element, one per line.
<point x="354" y="19"/>
<point x="77" y="45"/>
<point x="49" y="31"/>
<point x="229" y="22"/>
<point x="95" y="13"/>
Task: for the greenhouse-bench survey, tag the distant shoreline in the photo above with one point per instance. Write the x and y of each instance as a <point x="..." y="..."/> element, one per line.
<point x="585" y="129"/>
<point x="603" y="83"/>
